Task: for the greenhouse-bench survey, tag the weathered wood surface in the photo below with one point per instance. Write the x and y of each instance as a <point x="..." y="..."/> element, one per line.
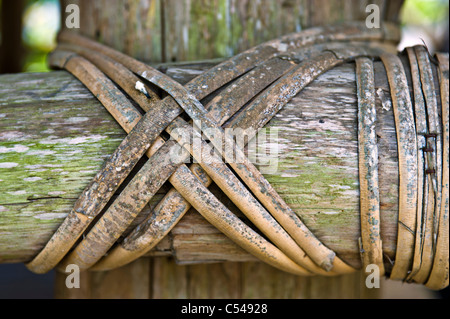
<point x="182" y="30"/>
<point x="54" y="136"/>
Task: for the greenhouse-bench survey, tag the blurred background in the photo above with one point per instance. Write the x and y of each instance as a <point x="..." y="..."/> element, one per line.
<point x="28" y="30"/>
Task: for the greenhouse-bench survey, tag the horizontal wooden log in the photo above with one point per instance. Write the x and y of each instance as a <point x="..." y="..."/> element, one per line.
<point x="54" y="137"/>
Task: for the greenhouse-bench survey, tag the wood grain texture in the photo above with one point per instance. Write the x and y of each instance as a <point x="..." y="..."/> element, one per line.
<point x="51" y="149"/>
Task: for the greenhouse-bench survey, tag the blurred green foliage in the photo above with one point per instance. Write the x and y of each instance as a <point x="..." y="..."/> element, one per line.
<point x="424" y="12"/>
<point x="41" y="22"/>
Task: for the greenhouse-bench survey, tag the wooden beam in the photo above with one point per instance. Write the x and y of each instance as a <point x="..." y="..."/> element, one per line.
<point x="54" y="137"/>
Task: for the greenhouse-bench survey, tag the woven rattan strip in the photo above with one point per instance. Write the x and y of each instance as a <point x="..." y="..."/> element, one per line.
<point x="439" y="274"/>
<point x="131" y="193"/>
<point x="316" y="251"/>
<point x="151" y="125"/>
<point x="419" y="263"/>
<point x="407" y="162"/>
<point x="370" y="241"/>
<point x="248" y="90"/>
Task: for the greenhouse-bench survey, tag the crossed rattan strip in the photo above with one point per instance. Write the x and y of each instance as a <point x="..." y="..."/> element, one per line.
<point x="86" y="238"/>
<point x="407" y="159"/>
<point x="148" y="235"/>
<point x="276" y="89"/>
<point x="69" y="223"/>
<point x="346" y="52"/>
<point x="146" y="131"/>
<point x="79" y="218"/>
<point x="160" y="164"/>
<point x="220" y="108"/>
<point x="439" y="276"/>
<point x="421" y="266"/>
<point x="96" y="236"/>
<point x="138" y="192"/>
<point x="370" y="240"/>
<point x="249" y="174"/>
<point x="110" y="219"/>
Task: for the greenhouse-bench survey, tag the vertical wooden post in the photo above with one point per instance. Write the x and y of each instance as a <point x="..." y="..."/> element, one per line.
<point x="129" y="282"/>
<point x="162" y="278"/>
<point x="180" y="30"/>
